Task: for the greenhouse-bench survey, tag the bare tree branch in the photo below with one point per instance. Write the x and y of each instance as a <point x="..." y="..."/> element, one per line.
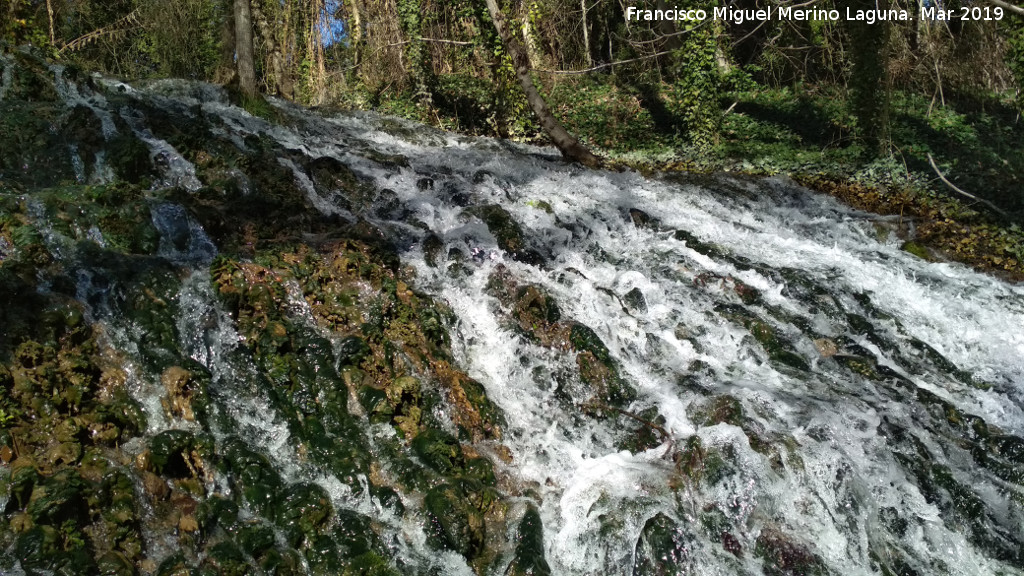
<point x="956" y="189"/>
<point x="1011" y="7"/>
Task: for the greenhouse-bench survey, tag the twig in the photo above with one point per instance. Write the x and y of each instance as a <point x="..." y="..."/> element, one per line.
<point x="967" y="194"/>
<point x="436" y="40"/>
<point x="605" y="65"/>
<point x="659" y="429"/>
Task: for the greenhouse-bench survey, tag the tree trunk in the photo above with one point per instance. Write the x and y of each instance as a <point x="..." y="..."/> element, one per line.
<point x="586" y="33"/>
<point x="279" y="77"/>
<point x="569" y="146"/>
<point x="49" y="14"/>
<point x="244" y="59"/>
<point x="668" y="29"/>
<point x="357" y="32"/>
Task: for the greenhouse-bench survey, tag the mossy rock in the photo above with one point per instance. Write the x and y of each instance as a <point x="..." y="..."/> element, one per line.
<point x="507" y="232"/>
<point x="352" y="350"/>
<point x="662" y="549"/>
<point x="698" y="463"/>
<point x="917" y="249"/>
<point x="584" y="339"/>
<point x="529" y="557"/>
<point x="339" y="448"/>
<point x="717" y="410"/>
<point x="481" y="469"/>
<point x="174" y="565"/>
<point x="217" y="511"/>
<point x="439" y="450"/>
<point x="354" y="535"/>
<point x="303" y="511"/>
<point x="375" y="402"/>
<point x="641" y="436"/>
<point x="224" y="559"/>
<point x="533" y="305"/>
<point x="130" y="158"/>
<point x="179" y="453"/>
<point x="455" y="521"/>
<point x="352" y="544"/>
<point x="253" y="475"/>
<point x="370" y="564"/>
<point x="281" y="562"/>
<point x="43" y="549"/>
<point x="114" y="564"/>
<point x="59" y="499"/>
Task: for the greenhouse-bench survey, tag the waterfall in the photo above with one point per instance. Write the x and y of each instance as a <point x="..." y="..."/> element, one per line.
<point x="695" y="374"/>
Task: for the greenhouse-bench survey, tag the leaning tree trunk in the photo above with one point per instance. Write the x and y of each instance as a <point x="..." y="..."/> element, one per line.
<point x="245" y="61"/>
<point x="565" y="142"/>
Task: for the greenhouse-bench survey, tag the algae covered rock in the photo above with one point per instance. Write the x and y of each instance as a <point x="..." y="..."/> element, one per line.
<point x="439" y="450"/>
<point x="662" y="549"/>
<point x="529" y="557"/>
<point x="455" y="520"/>
<point x="508" y="233"/>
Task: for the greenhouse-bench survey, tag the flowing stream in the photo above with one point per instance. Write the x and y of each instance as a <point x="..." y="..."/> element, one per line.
<point x="801" y="396"/>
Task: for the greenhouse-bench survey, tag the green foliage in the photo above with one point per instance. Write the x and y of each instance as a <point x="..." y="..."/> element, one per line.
<point x="181" y="38"/>
<point x="1015" y="55"/>
<point x="23" y="22"/>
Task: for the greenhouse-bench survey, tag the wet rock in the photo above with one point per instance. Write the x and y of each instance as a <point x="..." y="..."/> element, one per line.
<point x="439" y="450"/>
<point x="826" y="347"/>
<point x="453" y="522"/>
<point x="432" y="246"/>
<point x="507" y="232"/>
<point x="642" y="219"/>
<point x="661" y="549"/>
<point x="784" y="556"/>
<point x="389" y="499"/>
<point x="635" y="301"/>
<point x="185" y="393"/>
<point x="256" y="480"/>
<point x="304" y="511"/>
<point x="114" y="564"/>
<point x="180" y="454"/>
<point x="529" y="557"/>
<point x="156" y="487"/>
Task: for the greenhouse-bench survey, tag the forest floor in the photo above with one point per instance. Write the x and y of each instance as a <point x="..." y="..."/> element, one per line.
<point x="808" y="134"/>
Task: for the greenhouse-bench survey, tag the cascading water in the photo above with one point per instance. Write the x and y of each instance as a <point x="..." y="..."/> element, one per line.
<point x="696" y="375"/>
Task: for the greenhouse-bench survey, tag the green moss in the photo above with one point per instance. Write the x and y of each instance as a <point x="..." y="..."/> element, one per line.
<point x="529" y="557"/>
<point x="303" y="511"/>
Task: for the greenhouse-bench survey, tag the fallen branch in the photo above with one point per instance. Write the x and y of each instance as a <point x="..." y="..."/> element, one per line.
<point x="1011" y="7"/>
<point x="956" y="189"/>
<point x="122" y="26"/>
